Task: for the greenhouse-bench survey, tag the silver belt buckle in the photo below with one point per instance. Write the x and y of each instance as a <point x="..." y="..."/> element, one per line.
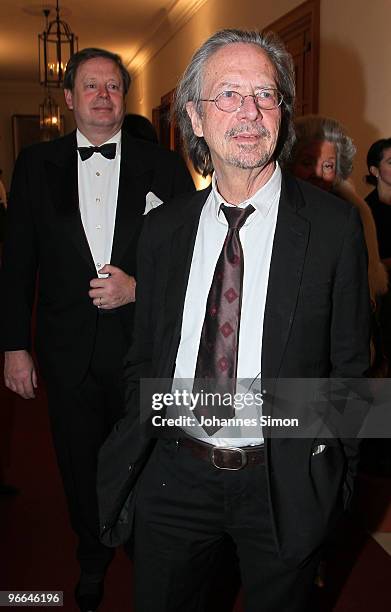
<point x="241" y="452"/>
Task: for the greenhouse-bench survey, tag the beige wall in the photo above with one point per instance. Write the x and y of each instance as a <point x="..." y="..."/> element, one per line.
<point x="354" y="79"/>
<point x="355" y="75"/>
<point x="162" y="72"/>
<point x="21" y="99"/>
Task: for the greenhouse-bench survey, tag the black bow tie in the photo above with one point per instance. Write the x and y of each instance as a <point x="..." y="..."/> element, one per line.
<point x="107" y="150"/>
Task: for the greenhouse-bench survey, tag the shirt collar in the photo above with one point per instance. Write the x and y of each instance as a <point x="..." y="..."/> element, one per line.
<point x="262" y="200"/>
<point x="82" y="141"/>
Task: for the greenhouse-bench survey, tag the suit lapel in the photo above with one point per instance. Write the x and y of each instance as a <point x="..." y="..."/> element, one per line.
<point x="286" y="267"/>
<point x="62" y="178"/>
<point x="288" y="257"/>
<point x="180" y="258"/>
<point x="134" y="183"/>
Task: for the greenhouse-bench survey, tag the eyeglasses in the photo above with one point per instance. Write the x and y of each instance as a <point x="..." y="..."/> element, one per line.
<point x="231" y="101"/>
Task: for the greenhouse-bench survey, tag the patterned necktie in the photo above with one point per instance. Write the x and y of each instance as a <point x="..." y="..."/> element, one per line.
<point x="107" y="150"/>
<point x="217" y="360"/>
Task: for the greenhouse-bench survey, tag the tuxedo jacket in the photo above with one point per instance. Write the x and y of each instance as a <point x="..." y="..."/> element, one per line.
<point x="45" y="237"/>
<point x="316" y="325"/>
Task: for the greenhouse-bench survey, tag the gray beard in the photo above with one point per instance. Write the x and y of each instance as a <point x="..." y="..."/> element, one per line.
<point x="245" y="164"/>
<point x="242" y="161"/>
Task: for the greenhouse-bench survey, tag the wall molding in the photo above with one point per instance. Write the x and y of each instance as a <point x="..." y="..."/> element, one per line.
<point x="174" y="19"/>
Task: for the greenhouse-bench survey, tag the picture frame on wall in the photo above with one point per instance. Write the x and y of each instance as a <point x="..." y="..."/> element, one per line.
<point x="26" y="131"/>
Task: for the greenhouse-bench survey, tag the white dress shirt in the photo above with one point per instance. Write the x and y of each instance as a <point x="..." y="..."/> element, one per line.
<point x="98" y="180"/>
<point x="256" y="237"/>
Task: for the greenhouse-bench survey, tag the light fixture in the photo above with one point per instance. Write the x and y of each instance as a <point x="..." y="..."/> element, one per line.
<point x="56" y="45"/>
<point x="49" y="118"/>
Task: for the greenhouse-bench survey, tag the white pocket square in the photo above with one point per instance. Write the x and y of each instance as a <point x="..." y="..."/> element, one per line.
<point x="317" y="450"/>
<point x="151" y="201"/>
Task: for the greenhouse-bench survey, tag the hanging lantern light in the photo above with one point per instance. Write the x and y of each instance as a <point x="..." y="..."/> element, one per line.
<point x="56" y="45"/>
<point x="49" y="118"/>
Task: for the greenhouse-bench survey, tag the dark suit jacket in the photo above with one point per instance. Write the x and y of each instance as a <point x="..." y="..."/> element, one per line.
<point x="316" y="325"/>
<point x="45" y="234"/>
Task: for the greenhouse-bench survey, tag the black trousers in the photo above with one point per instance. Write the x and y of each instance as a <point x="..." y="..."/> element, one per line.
<point x="185" y="508"/>
<point x="81" y="418"/>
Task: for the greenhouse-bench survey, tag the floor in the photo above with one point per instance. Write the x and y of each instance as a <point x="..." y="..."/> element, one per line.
<point x="37" y="544"/>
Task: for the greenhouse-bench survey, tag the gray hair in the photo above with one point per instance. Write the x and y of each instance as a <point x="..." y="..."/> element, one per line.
<point x="310" y="128"/>
<point x="189" y="89"/>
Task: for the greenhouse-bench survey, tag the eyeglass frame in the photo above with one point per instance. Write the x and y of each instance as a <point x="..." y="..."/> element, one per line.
<point x="253" y="96"/>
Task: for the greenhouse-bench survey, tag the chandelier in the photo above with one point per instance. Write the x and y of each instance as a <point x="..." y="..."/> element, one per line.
<point x="56" y="44"/>
<point x="49" y="118"/>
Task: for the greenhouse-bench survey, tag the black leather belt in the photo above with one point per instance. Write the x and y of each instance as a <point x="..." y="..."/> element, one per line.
<point x="226" y="458"/>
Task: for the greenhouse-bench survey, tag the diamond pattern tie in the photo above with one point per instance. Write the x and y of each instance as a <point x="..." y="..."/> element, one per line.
<point x="217" y="360"/>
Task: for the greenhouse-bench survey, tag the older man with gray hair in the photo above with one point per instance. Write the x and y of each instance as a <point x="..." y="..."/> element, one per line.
<point x="238" y="282"/>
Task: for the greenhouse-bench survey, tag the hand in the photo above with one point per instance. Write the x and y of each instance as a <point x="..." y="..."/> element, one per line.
<point x="116" y="290"/>
<point x="19" y="373"/>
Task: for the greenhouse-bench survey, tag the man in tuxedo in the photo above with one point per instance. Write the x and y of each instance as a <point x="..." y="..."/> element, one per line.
<point x="76" y="209"/>
<point x="251" y="287"/>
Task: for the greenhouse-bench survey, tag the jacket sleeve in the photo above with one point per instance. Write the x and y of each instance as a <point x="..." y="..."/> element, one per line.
<point x="137" y="363"/>
<point x="350" y="338"/>
<point x="350" y="322"/>
<point x="20" y="260"/>
<point x="127" y="448"/>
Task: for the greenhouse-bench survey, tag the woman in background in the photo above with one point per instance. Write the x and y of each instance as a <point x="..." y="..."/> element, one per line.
<point x="323" y="155"/>
<point x="379" y="200"/>
<point x="378" y="458"/>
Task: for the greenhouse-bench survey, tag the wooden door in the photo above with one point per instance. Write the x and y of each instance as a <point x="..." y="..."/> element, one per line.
<point x="299" y="30"/>
<point x="168" y="133"/>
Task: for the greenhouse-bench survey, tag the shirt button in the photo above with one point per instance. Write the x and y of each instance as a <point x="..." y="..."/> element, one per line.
<point x="98" y="174"/>
<point x="97" y="200"/>
<point x="98" y="266"/>
<point x="98" y="227"/>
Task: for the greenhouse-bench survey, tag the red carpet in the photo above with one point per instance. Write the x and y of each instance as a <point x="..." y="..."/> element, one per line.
<point x="373" y="502"/>
<point x="37" y="545"/>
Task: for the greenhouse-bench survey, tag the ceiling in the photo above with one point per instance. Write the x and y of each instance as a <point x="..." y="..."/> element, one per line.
<point x="135" y="29"/>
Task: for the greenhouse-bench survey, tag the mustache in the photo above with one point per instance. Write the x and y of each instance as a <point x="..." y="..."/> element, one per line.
<point x="102" y="103"/>
<point x="253" y="130"/>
